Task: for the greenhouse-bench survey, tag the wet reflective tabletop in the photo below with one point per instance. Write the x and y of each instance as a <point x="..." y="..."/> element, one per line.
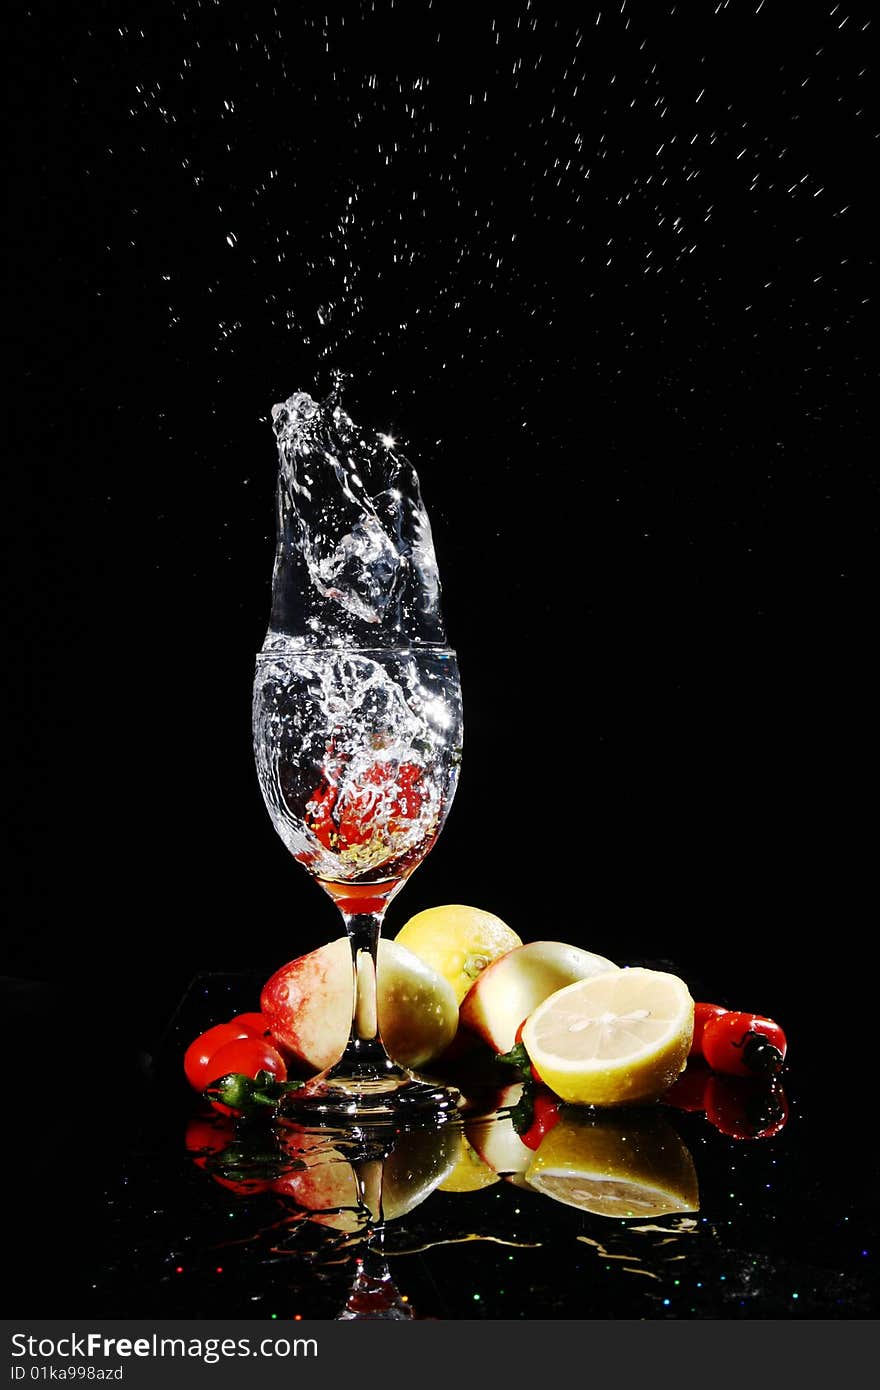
<point x="718" y="1204"/>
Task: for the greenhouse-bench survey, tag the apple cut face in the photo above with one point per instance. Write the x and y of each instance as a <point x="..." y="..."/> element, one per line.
<point x="308" y="1004"/>
<point x="513" y="986"/>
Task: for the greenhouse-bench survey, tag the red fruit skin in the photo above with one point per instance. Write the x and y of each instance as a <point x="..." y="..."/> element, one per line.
<point x="283" y="997"/>
<point x="257" y="1025"/>
<point x="724" y="1038"/>
<point x="247" y="1056"/>
<point x="745" y="1107"/>
<point x="703" y="1014"/>
<point x="197" y="1057"/>
<point x="546" y="1114"/>
<point x="688" y="1091"/>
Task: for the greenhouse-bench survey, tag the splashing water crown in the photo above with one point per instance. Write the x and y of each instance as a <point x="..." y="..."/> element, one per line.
<point x="354" y="560"/>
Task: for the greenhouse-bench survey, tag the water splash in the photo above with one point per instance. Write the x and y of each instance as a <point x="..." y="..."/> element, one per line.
<point x="354" y="562"/>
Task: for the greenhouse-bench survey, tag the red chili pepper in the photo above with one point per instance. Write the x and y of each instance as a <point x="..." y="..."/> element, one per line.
<point x="743" y="1044"/>
<point x="703" y="1014"/>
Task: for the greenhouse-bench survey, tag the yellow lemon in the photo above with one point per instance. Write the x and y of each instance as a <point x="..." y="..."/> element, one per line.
<point x="458" y="942"/>
<point x="470" y="1172"/>
<point x="621" y="1165"/>
<point x="615" y="1039"/>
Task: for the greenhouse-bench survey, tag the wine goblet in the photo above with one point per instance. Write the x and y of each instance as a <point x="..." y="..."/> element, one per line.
<point x="357" y="754"/>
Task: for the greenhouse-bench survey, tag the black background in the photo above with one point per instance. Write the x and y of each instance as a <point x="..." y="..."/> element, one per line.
<point x="607" y="276"/>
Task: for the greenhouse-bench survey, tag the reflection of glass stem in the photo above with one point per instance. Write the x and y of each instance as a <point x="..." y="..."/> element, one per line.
<point x="373" y="1293"/>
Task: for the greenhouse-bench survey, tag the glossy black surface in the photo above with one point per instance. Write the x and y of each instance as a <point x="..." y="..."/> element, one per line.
<point x="783" y="1226"/>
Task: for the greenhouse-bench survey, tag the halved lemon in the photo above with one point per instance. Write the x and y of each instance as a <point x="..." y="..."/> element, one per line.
<point x="616" y="1165"/>
<point x="615" y="1039"/>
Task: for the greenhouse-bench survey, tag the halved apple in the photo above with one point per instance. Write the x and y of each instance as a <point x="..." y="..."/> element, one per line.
<point x="308" y="1004"/>
<point x="514" y="985"/>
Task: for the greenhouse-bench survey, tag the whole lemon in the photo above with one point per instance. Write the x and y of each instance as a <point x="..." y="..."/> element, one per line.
<point x="458" y="942"/>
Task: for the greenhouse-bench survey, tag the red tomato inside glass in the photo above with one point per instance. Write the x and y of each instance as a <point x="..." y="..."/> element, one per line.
<point x="384" y="800"/>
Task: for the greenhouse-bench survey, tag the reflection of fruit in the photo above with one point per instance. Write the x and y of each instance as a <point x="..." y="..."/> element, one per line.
<point x="470" y="1173"/>
<point x="208" y="1136"/>
<point x="745" y="1107"/>
<point x="495" y="1139"/>
<point x="546" y="1112"/>
<point x="688" y="1091"/>
<point x="615" y="1039"/>
<point x="308" y="1005"/>
<point x="618" y="1165"/>
<point x="459" y="942"/>
<point x="420" y="1161"/>
<point x="245" y="1187"/>
<point x="339" y="1193"/>
<point x="513" y="986"/>
<point x="327" y="1187"/>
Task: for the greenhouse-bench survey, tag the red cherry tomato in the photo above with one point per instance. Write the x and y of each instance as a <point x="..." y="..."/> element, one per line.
<point x="257" y="1026"/>
<point x="546" y="1113"/>
<point x="199" y="1053"/>
<point x="385" y="796"/>
<point x="703" y="1014"/>
<point x="745" y="1107"/>
<point x="744" y="1044"/>
<point x="245" y="1056"/>
<point x="689" y="1090"/>
<point x="319" y="813"/>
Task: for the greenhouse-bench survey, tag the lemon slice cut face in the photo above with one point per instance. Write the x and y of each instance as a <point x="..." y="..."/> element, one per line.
<point x="615" y="1039"/>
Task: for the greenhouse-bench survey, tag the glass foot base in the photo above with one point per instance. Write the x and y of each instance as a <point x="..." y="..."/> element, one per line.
<point x="332" y="1099"/>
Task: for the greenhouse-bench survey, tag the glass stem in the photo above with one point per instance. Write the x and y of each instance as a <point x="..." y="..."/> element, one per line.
<point x="365" y="1053"/>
